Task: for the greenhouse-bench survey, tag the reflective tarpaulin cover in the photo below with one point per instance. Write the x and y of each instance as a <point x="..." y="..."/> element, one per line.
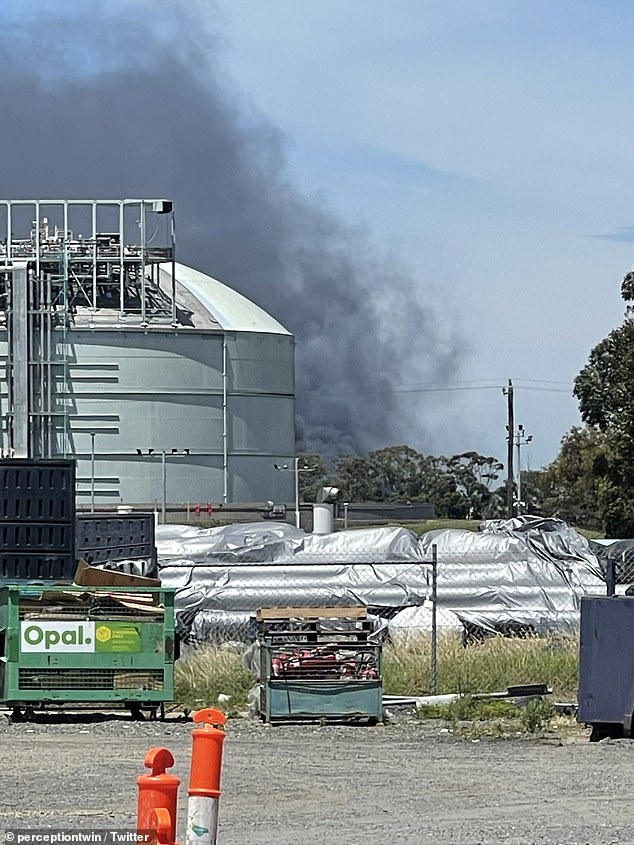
<point x="237" y="569"/>
<point x="526" y="574"/>
<point x="281" y="543"/>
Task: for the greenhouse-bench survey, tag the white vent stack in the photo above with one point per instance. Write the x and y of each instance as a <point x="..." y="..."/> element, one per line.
<point x="323" y="511"/>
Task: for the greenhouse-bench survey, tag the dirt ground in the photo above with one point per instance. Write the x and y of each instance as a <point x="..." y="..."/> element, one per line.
<point x="408" y="782"/>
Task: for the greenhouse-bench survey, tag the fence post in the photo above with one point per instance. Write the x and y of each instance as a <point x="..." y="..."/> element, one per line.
<point x="610" y="575"/>
<point x="434" y="627"/>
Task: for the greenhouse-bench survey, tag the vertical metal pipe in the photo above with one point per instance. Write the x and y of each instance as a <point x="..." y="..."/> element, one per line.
<point x="143" y="260"/>
<point x="434" y="626"/>
<point x="225" y="445"/>
<point x="6" y="277"/>
<point x="298" y="520"/>
<point x="164" y="495"/>
<point x="19" y="361"/>
<point x="173" y="248"/>
<point x="49" y="386"/>
<point x="64" y="445"/>
<point x="37" y="239"/>
<point x="93" y="215"/>
<point x="32" y="307"/>
<point x="9" y="233"/>
<point x="65" y="268"/>
<point x="57" y="293"/>
<point x="121" y="292"/>
<point x="40" y="356"/>
<point x="10" y="417"/>
<point x="92" y="471"/>
<point x="121" y="247"/>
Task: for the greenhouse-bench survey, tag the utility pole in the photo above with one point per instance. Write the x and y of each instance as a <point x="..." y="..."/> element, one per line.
<point x="508" y="391"/>
<point x="521" y="438"/>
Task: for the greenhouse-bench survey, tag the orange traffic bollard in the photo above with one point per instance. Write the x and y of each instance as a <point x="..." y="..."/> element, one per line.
<point x="158" y="796"/>
<point x="204" y="777"/>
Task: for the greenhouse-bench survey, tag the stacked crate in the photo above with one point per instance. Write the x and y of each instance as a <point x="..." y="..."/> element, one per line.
<point x="318" y="663"/>
<point x="37" y="520"/>
<point x="104" y="537"/>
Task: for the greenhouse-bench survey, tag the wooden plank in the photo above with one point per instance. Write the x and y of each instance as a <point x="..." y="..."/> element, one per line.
<point x="131" y="601"/>
<point x="268" y="613"/>
<point x="142" y="603"/>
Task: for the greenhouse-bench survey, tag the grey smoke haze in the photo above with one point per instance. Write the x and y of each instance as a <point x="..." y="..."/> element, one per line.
<point x="117" y="103"/>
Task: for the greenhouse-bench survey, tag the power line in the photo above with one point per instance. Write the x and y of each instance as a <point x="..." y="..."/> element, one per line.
<point x="542" y="381"/>
<point x="448" y="388"/>
<point x="549" y="390"/>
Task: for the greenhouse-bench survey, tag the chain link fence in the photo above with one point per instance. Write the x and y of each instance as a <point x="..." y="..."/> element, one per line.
<point x="217" y="600"/>
<point x="616" y="560"/>
<point x="464" y="595"/>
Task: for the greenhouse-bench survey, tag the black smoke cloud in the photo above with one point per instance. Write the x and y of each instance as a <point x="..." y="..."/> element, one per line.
<point x="128" y="100"/>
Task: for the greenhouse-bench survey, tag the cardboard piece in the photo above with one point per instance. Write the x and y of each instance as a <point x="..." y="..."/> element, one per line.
<point x="92" y="576"/>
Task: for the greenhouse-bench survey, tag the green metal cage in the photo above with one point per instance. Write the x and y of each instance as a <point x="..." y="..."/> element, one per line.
<point x="68" y="644"/>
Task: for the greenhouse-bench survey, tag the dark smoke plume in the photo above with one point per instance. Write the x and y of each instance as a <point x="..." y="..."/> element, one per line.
<point x="108" y="99"/>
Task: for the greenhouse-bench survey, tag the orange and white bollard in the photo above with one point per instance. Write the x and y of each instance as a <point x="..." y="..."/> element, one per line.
<point x="158" y="797"/>
<point x="204" y="777"/>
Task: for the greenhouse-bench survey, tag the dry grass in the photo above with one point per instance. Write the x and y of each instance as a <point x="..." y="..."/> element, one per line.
<point x="209" y="672"/>
<point x="490" y="666"/>
<point x="486" y="667"/>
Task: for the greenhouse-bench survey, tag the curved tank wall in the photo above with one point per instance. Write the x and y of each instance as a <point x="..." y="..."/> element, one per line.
<point x="219" y="404"/>
<point x="164" y="383"/>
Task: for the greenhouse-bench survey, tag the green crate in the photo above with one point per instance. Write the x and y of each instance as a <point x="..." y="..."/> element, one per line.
<point x="306" y="699"/>
<point x="338" y="680"/>
<point x="66" y="644"/>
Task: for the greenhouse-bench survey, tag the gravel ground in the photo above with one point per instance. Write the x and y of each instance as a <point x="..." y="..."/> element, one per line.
<point x="409" y="782"/>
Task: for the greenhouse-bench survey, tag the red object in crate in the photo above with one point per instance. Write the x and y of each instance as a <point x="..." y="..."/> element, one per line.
<point x="319" y="662"/>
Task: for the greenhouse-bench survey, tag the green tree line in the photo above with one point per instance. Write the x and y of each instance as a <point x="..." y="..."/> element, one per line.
<point x="465" y="486"/>
<point x="470" y="485"/>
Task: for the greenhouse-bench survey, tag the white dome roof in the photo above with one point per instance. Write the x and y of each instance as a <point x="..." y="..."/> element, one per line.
<point x="227" y="308"/>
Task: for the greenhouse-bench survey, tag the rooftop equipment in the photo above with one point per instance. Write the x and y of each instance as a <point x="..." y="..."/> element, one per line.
<point x="66" y="264"/>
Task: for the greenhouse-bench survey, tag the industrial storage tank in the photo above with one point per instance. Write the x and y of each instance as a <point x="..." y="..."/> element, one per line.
<point x="166" y="385"/>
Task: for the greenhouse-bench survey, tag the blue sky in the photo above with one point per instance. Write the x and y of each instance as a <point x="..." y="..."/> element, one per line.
<point x="481" y="148"/>
<point x="485" y="144"/>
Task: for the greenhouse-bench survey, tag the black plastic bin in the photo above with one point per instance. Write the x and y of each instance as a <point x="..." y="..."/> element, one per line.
<point x="37" y="519"/>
